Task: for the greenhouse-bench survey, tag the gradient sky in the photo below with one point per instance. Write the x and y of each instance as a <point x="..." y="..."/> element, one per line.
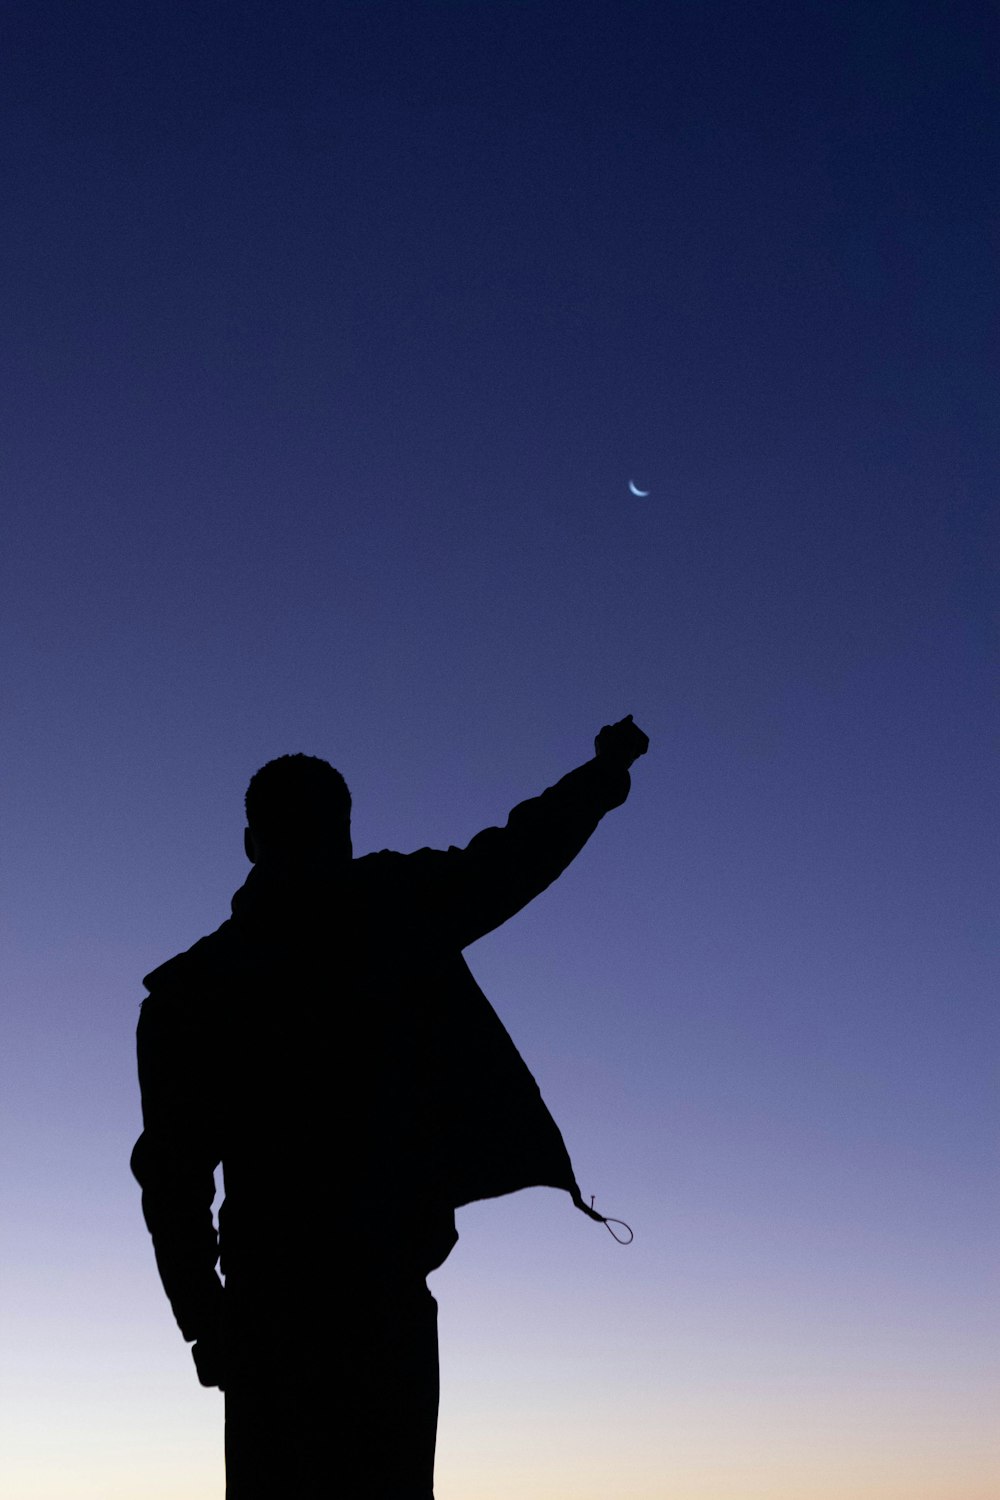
<point x="332" y="336"/>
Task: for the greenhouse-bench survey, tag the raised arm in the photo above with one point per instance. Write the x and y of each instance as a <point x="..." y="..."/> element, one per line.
<point x="459" y="895"/>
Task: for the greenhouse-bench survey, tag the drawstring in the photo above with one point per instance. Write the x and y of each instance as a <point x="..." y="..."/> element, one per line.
<point x="592" y="1213"/>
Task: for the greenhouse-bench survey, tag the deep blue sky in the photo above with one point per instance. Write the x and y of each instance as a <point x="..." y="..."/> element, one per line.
<point x="332" y="336"/>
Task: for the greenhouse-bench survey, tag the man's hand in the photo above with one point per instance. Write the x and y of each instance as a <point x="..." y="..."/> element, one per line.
<point x="621" y="743"/>
<point x="209" y="1359"/>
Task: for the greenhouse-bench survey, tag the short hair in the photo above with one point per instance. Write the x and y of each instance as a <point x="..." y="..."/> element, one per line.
<point x="288" y="790"/>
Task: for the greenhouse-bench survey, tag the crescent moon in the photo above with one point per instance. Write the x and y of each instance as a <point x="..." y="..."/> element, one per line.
<point x="636" y="491"/>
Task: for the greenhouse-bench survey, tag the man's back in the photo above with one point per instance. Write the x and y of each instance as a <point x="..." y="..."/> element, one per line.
<point x="330" y="1048"/>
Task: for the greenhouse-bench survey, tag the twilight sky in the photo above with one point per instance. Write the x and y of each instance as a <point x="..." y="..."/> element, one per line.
<point x="332" y="337"/>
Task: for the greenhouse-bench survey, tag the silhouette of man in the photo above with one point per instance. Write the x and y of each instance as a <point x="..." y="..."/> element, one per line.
<point x="330" y="1048"/>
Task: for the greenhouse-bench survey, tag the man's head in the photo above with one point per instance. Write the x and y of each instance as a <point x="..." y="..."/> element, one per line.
<point x="298" y="816"/>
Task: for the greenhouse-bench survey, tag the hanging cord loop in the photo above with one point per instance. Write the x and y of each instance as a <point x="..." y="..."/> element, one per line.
<point x="592" y="1213"/>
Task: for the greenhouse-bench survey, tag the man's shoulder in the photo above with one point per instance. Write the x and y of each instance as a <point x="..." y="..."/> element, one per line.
<point x="387" y="862"/>
<point x="378" y="859"/>
<point x="186" y="1009"/>
<point x="385" y="866"/>
<point x="205" y="961"/>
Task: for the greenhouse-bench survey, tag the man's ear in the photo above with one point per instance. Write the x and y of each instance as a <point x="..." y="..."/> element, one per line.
<point x="248" y="846"/>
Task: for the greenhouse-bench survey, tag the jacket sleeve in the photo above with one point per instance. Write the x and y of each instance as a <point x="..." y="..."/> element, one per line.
<point x="174" y="1161"/>
<point x="458" y="895"/>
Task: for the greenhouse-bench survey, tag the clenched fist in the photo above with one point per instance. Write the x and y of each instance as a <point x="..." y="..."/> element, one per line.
<point x="622" y="743"/>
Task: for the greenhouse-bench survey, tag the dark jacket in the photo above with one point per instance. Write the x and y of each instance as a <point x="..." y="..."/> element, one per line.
<point x="329" y="1046"/>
